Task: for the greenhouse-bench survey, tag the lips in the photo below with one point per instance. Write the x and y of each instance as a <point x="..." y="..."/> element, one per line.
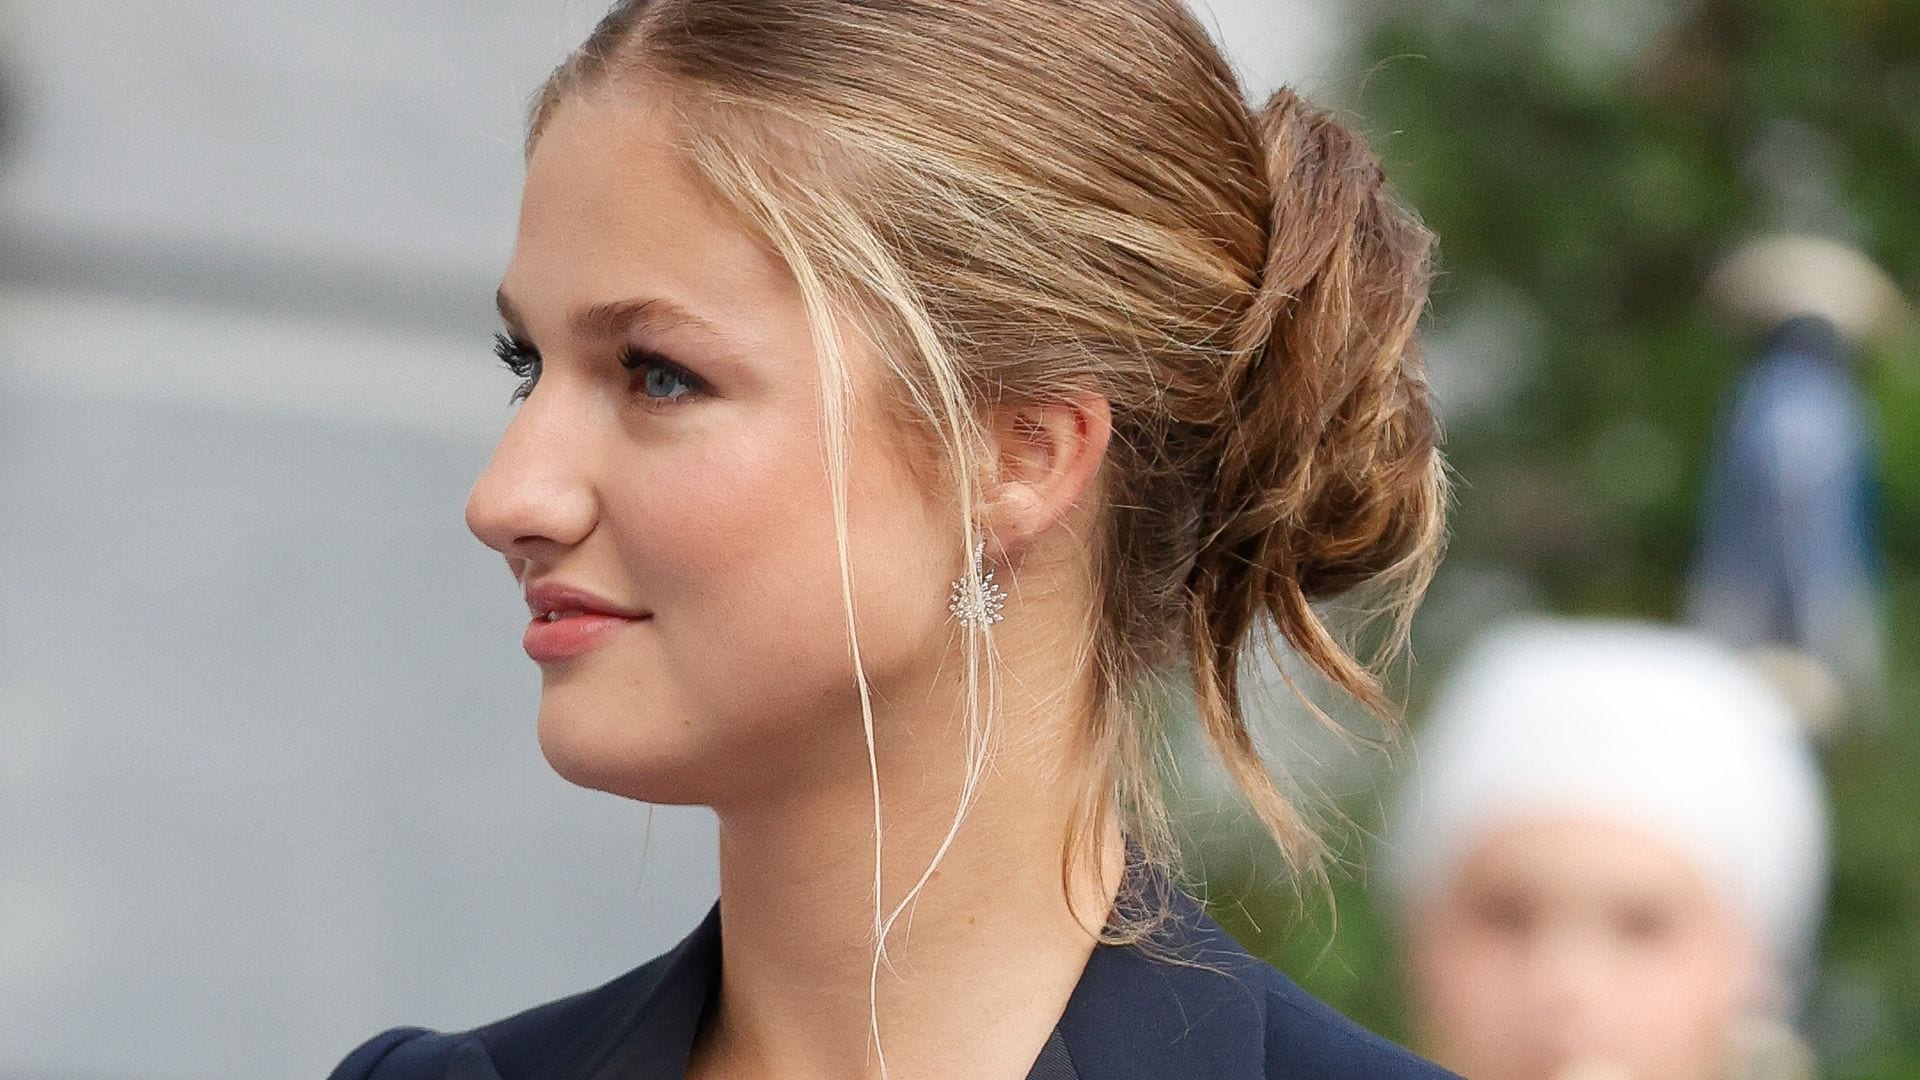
<point x="544" y="598"/>
<point x="569" y="621"/>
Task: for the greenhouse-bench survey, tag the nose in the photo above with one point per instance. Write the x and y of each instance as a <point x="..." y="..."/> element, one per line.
<point x="1573" y="981"/>
<point x="536" y="497"/>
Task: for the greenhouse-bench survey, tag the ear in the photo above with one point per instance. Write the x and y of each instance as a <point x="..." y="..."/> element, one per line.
<point x="1046" y="457"/>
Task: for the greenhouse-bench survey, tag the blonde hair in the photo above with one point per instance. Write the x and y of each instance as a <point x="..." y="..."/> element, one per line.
<point x="1018" y="199"/>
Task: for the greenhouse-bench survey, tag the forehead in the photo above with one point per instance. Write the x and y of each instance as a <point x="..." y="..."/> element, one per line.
<point x="611" y="209"/>
<point x="1586" y="857"/>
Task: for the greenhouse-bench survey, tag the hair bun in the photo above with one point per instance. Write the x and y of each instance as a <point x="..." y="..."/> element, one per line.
<point x="1329" y="474"/>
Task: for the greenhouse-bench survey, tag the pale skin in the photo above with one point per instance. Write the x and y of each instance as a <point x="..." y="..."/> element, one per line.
<point x="1575" y="948"/>
<point x="695" y="488"/>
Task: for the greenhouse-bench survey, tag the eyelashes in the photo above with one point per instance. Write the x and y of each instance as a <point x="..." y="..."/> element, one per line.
<point x="660" y="380"/>
<point x="521" y="360"/>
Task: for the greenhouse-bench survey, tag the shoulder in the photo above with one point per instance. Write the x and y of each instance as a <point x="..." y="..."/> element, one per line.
<point x="1306" y="1037"/>
<point x="1299" y="1036"/>
<point x="397" y="1054"/>
<point x="569" y="1029"/>
<point x="1199" y="1004"/>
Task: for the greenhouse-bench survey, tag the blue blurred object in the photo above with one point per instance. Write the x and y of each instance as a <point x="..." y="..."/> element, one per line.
<point x="1788" y="553"/>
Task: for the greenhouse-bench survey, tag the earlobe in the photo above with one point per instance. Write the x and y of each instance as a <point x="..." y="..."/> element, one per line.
<point x="1048" y="456"/>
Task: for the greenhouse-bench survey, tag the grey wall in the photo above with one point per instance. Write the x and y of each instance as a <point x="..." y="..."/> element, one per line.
<point x="268" y="779"/>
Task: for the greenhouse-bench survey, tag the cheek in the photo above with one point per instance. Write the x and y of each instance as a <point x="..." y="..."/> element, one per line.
<point x="1467" y="985"/>
<point x="711" y="525"/>
<point x="1684" y="993"/>
<point x="736" y="538"/>
<point x="730" y="539"/>
<point x="1454" y="967"/>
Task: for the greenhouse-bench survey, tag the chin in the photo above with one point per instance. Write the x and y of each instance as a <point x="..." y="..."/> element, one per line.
<point x="622" y="757"/>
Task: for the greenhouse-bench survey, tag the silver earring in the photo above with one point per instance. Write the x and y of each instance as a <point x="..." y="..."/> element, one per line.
<point x="976" y="599"/>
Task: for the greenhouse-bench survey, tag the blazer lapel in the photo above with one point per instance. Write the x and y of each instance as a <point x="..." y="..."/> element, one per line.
<point x="1054" y="1063"/>
<point x="656" y="1047"/>
<point x="644" y="1033"/>
<point x="1132" y="1016"/>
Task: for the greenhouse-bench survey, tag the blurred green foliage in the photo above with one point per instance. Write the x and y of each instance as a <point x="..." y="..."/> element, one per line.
<point x="1585" y="164"/>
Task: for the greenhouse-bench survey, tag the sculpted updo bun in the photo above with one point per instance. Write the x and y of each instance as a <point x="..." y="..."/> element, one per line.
<point x="1331" y="474"/>
<point x="1018" y="199"/>
<point x="1328" y="475"/>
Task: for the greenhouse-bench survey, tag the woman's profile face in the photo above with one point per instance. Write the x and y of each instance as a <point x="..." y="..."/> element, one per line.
<point x="670" y="459"/>
<point x="1572" y="948"/>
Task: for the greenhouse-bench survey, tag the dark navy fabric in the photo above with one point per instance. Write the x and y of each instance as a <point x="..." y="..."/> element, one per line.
<point x="1211" y="1011"/>
<point x="1054" y="1063"/>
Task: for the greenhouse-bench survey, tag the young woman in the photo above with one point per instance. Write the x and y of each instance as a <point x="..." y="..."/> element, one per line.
<point x="906" y="386"/>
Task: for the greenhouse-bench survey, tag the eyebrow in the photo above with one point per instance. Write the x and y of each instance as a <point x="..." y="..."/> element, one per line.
<point x="613" y="318"/>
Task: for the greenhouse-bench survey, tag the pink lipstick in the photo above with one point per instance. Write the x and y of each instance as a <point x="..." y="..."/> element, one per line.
<point x="569" y="622"/>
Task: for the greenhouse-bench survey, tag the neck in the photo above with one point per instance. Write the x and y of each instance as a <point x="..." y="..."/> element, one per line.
<point x="990" y="943"/>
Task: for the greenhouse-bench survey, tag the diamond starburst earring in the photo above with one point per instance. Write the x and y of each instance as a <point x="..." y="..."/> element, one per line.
<point x="977" y="600"/>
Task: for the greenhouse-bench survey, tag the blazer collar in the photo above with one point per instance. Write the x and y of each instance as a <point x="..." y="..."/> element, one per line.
<point x="1134" y="1015"/>
<point x="662" y="1036"/>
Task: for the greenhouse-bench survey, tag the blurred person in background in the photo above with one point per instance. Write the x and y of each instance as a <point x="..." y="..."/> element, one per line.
<point x="1788" y="565"/>
<point x="820" y="304"/>
<point x="1581" y="375"/>
<point x="1608" y="861"/>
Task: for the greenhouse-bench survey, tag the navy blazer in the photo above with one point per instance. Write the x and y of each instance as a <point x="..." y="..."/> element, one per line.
<point x="1131" y="1017"/>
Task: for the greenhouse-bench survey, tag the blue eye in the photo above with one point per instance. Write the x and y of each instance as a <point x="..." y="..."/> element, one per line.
<point x="660" y="379"/>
